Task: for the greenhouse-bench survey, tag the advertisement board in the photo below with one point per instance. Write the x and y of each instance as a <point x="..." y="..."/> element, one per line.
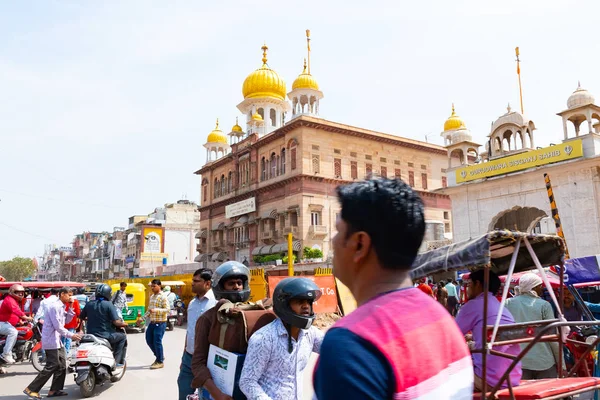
<point x="240" y="208"/>
<point x="152" y="237"/>
<point x="327" y="303"/>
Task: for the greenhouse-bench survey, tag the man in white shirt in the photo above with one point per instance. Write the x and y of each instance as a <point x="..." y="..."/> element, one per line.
<point x="279" y="352"/>
<point x="204" y="300"/>
<point x="44" y="305"/>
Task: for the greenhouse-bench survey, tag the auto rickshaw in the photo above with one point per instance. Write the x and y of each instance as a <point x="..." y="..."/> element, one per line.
<point x="506" y="252"/>
<point x="133" y="316"/>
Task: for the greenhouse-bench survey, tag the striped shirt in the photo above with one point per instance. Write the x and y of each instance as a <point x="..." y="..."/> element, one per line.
<point x="160" y="306"/>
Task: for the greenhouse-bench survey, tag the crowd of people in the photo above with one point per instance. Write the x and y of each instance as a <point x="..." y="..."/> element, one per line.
<point x="404" y="340"/>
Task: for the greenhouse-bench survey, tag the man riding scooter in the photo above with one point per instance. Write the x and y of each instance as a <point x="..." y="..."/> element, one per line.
<point x="10" y="315"/>
<point x="102" y="318"/>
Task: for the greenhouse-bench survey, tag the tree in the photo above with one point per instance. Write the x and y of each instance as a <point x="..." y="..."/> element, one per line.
<point x="17" y="269"/>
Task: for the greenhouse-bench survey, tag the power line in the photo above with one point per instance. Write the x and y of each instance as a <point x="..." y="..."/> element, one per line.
<point x="28" y="233"/>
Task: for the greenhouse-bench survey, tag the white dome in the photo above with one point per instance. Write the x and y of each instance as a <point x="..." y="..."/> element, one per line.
<point x="511" y="117"/>
<point x="580" y="97"/>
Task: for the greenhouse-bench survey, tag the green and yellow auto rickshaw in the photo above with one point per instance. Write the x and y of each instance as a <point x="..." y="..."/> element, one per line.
<point x="136" y="305"/>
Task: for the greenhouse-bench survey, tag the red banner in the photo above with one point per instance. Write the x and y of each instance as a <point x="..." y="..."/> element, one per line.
<point x="328" y="301"/>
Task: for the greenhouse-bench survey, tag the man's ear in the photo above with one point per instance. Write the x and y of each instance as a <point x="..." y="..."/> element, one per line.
<point x="361" y="244"/>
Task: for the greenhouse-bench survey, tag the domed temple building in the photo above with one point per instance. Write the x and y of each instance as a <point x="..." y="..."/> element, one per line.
<point x="276" y="170"/>
<point x="504" y="185"/>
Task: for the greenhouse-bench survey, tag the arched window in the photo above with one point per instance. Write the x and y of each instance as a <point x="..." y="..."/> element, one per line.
<point x="216" y="188"/>
<point x="230" y="182"/>
<point x="282" y="169"/>
<point x="273" y="165"/>
<point x="223" y="185"/>
<point x="273" y="117"/>
<point x="261" y="112"/>
<point x="263" y="169"/>
<point x="204" y="190"/>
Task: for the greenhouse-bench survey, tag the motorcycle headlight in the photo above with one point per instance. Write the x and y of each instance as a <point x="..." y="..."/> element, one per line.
<point x="591" y="339"/>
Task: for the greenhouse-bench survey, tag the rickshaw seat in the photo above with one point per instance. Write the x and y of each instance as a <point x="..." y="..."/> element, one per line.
<point x="547" y="388"/>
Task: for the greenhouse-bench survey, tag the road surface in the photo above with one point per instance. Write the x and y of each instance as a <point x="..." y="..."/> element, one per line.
<point x="139" y="381"/>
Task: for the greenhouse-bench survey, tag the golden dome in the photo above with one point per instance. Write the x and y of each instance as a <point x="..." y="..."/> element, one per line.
<point x="305" y="81"/>
<point x="236" y="127"/>
<point x="257" y="117"/>
<point x="217" y="136"/>
<point x="454" y="122"/>
<point x="264" y="82"/>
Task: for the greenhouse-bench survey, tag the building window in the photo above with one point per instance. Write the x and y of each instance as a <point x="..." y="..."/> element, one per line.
<point x="315" y="218"/>
<point x="444" y="181"/>
<point x="281" y="223"/>
<point x="293" y="219"/>
<point x="423" y="166"/>
<point x="273" y="166"/>
<point x="384" y="172"/>
<point x="446" y="215"/>
<point x="337" y="151"/>
<point x="446" y="227"/>
<point x="204" y="191"/>
<point x="223" y="192"/>
<point x="293" y="158"/>
<point x="230" y="181"/>
<point x="315" y="147"/>
<point x="316" y="164"/>
<point x="353" y="154"/>
<point x="396" y="162"/>
<point x="353" y="170"/>
<point x="411" y="164"/>
<point x="424" y="181"/>
<point x="368" y="170"/>
<point x="411" y="179"/>
<point x="397" y="173"/>
<point x="337" y="167"/>
<point x="382" y="159"/>
<point x="282" y="161"/>
<point x="368" y="157"/>
<point x="263" y="169"/>
<point x="216" y="187"/>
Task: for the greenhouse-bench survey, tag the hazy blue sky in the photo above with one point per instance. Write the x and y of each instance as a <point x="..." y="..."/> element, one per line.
<point x="104" y="106"/>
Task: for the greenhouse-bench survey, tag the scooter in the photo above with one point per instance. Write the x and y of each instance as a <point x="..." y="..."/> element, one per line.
<point x="172" y="319"/>
<point x="27" y="337"/>
<point x="180" y="306"/>
<point x="94" y="364"/>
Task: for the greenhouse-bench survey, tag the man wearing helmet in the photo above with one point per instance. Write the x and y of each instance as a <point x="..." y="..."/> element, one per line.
<point x="10" y="315"/>
<point x="230" y="284"/>
<point x="279" y="352"/>
<point x="102" y="318"/>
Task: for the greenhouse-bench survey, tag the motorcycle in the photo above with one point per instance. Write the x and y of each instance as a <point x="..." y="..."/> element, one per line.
<point x="172" y="319"/>
<point x="28" y="337"/>
<point x="577" y="343"/>
<point x="95" y="364"/>
<point x="180" y="306"/>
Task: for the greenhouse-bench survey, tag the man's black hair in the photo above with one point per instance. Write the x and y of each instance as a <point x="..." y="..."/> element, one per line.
<point x="123" y="283"/>
<point x="54" y="291"/>
<point x="65" y="289"/>
<point x="391" y="213"/>
<point x="156" y="282"/>
<point x="495" y="282"/>
<point x="204" y="273"/>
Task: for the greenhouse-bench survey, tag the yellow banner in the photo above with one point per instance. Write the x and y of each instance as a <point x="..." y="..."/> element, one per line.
<point x="533" y="158"/>
<point x="153" y="256"/>
<point x="347" y="301"/>
<point x="258" y="285"/>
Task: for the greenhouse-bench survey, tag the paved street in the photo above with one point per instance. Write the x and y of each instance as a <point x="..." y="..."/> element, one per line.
<point x="138" y="380"/>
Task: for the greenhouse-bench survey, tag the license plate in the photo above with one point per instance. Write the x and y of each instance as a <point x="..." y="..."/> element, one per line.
<point x="82" y="367"/>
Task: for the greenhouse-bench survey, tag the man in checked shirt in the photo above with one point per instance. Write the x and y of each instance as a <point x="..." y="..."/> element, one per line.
<point x="158" y="310"/>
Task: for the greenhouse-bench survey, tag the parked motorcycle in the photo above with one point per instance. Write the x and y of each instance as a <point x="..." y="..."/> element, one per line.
<point x="172" y="319"/>
<point x="180" y="307"/>
<point x="577" y="343"/>
<point x="28" y="337"/>
<point x="95" y="364"/>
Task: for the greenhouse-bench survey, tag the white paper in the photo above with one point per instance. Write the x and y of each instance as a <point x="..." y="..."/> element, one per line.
<point x="222" y="365"/>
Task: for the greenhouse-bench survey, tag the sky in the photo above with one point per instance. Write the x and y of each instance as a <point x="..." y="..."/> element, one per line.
<point x="105" y="106"/>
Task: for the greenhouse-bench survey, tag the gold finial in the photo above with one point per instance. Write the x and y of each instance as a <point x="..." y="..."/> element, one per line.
<point x="217" y="126"/>
<point x="264" y="49"/>
<point x="236" y="120"/>
<point x="304" y="71"/>
<point x="578" y="84"/>
<point x="308" y="48"/>
<point x="453" y="113"/>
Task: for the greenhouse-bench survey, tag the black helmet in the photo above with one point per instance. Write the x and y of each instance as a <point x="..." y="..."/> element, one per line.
<point x="295" y="288"/>
<point x="228" y="270"/>
<point x="103" y="290"/>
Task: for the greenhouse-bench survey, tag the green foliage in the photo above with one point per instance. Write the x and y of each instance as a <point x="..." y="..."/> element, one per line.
<point x="268" y="258"/>
<point x="312" y="253"/>
<point x="285" y="258"/>
<point x="17" y="269"/>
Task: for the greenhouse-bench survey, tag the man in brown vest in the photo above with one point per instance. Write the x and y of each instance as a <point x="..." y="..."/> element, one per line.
<point x="223" y="325"/>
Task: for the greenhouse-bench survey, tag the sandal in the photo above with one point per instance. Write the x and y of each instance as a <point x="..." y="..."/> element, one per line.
<point x="31" y="395"/>
<point x="58" y="393"/>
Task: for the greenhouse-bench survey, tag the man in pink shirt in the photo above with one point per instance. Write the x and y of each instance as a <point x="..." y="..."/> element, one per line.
<point x="10" y="315"/>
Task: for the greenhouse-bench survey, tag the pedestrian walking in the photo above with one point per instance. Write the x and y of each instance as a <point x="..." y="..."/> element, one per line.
<point x="383" y="349"/>
<point x="55" y="318"/>
<point x="158" y="310"/>
<point x="119" y="299"/>
<point x="279" y="352"/>
<point x="203" y="300"/>
<point x="73" y="324"/>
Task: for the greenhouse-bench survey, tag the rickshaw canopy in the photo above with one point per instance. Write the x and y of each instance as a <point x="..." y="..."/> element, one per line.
<point x="494" y="249"/>
<point x="171" y="283"/>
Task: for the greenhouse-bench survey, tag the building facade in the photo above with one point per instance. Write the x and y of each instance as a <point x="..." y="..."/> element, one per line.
<point x="504" y="186"/>
<point x="278" y="175"/>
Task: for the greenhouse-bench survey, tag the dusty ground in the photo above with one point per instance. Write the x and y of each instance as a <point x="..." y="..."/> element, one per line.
<point x="325" y="320"/>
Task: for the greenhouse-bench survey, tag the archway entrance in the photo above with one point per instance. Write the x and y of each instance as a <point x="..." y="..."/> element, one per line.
<point x="523" y="219"/>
